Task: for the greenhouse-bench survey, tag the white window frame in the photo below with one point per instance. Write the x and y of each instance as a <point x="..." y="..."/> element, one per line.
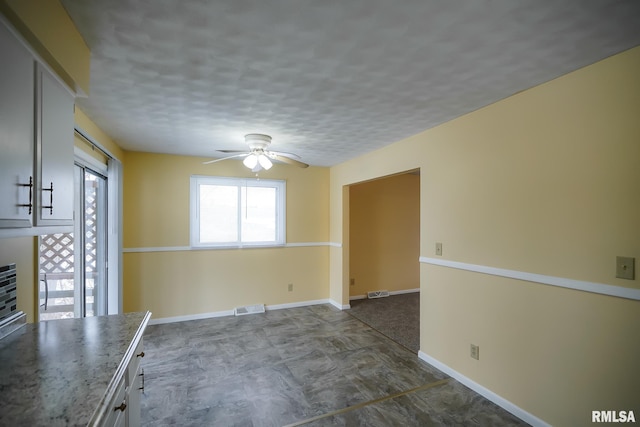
<point x="194" y="201"/>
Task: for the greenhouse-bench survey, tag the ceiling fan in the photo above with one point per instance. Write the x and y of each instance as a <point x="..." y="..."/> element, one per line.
<point x="258" y="157"/>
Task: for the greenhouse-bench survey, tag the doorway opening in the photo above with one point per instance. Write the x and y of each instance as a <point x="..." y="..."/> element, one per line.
<point x="384" y="251"/>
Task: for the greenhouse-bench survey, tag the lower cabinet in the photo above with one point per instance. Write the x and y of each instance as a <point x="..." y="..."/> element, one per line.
<point x="124" y="409"/>
<point x="112" y="351"/>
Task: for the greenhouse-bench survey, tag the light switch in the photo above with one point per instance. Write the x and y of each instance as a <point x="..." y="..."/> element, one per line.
<point x="439" y="249"/>
<point x="625" y="267"/>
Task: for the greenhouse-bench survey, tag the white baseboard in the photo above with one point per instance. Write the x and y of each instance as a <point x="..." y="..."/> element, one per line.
<point x="483" y="391"/>
<point x="339" y="306"/>
<point x="298" y="304"/>
<point x="188" y="317"/>
<point x="404" y="291"/>
<point x="231" y="312"/>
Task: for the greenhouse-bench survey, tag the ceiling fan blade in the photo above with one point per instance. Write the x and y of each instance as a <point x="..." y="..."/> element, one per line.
<point x="225" y="158"/>
<point x="232" y="151"/>
<point x="287" y="160"/>
<point x="284" y="153"/>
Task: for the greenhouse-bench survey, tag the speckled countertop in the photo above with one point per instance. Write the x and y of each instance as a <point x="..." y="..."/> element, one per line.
<point x="57" y="373"/>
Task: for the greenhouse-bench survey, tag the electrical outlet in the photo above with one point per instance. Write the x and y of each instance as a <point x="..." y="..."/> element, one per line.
<point x="352" y="282"/>
<point x="290" y="287"/>
<point x="439" y="249"/>
<point x="625" y="268"/>
<point x="475" y="352"/>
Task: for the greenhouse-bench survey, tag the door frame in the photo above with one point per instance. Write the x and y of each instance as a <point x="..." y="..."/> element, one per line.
<point x="113" y="172"/>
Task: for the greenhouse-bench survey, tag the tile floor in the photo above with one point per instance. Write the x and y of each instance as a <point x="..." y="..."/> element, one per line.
<point x="395" y="316"/>
<point x="312" y="366"/>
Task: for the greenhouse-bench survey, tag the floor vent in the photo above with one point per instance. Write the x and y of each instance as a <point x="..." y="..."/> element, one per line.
<point x="249" y="309"/>
<point x="377" y="294"/>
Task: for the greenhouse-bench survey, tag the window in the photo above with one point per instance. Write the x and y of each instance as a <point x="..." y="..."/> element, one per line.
<point x="237" y="212"/>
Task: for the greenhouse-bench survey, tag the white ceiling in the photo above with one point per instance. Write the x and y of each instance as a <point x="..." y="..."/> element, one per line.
<point x="328" y="79"/>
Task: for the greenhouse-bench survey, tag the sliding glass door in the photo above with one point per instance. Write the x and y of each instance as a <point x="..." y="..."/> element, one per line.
<point x="93" y="246"/>
<point x="72" y="266"/>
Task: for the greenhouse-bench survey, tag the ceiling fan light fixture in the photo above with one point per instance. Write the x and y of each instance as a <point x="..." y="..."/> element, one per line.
<point x="264" y="162"/>
<point x="250" y="161"/>
<point x="259" y="157"/>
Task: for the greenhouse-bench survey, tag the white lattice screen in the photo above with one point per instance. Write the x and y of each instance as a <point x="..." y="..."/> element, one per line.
<point x="56" y="254"/>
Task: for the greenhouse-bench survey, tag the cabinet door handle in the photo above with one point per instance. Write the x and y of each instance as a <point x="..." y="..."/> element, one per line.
<point x="30" y="185"/>
<point x="141" y="354"/>
<point x="122" y="407"/>
<point x="46" y="292"/>
<point x="50" y="207"/>
<point x="142" y="375"/>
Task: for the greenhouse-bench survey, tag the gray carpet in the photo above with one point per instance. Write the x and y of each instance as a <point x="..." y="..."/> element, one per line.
<point x="396" y="316"/>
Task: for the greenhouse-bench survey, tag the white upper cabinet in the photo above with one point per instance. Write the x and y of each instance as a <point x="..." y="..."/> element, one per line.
<point x="16" y="132"/>
<point x="54" y="151"/>
<point x="36" y="140"/>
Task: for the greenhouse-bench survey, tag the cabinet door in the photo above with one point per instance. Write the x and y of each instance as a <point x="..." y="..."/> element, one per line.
<point x="16" y="131"/>
<point x="135" y="381"/>
<point x="117" y="409"/>
<point x="135" y="389"/>
<point x="54" y="151"/>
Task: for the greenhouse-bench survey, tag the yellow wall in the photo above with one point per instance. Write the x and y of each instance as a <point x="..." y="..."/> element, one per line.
<point x="542" y="182"/>
<point x="384" y="234"/>
<point x="183" y="282"/>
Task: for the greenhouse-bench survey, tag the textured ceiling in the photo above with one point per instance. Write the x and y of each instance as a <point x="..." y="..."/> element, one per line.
<point x="328" y="79"/>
